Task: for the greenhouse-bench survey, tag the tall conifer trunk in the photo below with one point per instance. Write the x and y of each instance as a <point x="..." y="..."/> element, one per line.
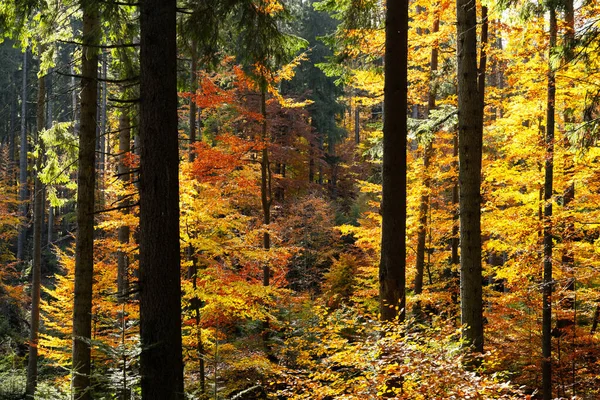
<point x="23" y="164"/>
<point x="548" y="188"/>
<point x="84" y="248"/>
<point x="36" y="270"/>
<point x="160" y="282"/>
<point x="470" y="132"/>
<point x="125" y="177"/>
<point x="392" y="266"/>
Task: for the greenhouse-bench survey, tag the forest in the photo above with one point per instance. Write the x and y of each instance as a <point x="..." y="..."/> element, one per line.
<point x="299" y="199"/>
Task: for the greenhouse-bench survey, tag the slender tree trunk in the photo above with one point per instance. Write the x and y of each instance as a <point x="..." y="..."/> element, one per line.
<point x="13" y="130"/>
<point x="455" y="241"/>
<point x="392" y="266"/>
<point x="125" y="178"/>
<point x="424" y="201"/>
<point x="266" y="201"/>
<point x="49" y="122"/>
<point x="357" y="123"/>
<point x="160" y="282"/>
<point x="193" y="110"/>
<point x="470" y="132"/>
<point x="548" y="187"/>
<point x="23" y="165"/>
<point x="595" y="319"/>
<point x="36" y="270"/>
<point x="265" y="184"/>
<point x="84" y="248"/>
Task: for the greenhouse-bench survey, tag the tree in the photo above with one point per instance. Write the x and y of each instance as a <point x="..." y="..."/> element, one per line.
<point x="548" y="239"/>
<point x="36" y="270"/>
<point x="23" y="161"/>
<point x="427" y="150"/>
<point x="470" y="138"/>
<point x="84" y="250"/>
<point x="393" y="208"/>
<point x="160" y="285"/>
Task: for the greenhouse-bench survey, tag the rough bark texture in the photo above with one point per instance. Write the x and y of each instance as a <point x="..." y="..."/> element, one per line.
<point x="125" y="177"/>
<point x="548" y="187"/>
<point x="23" y="164"/>
<point x="49" y="122"/>
<point x="392" y="266"/>
<point x="160" y="285"/>
<point x="84" y="248"/>
<point x="36" y="270"/>
<point x="470" y="130"/>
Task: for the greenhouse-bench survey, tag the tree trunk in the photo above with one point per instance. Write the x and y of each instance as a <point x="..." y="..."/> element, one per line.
<point x="356" y="123"/>
<point x="470" y="132"/>
<point x="455" y="241"/>
<point x="49" y="122"/>
<point x="265" y="184"/>
<point x="392" y="266"/>
<point x="160" y="282"/>
<point x="12" y="133"/>
<point x="194" y="77"/>
<point x="84" y="248"/>
<point x="424" y="201"/>
<point x="266" y="201"/>
<point x="23" y="165"/>
<point x="125" y="177"/>
<point x="548" y="187"/>
<point x="36" y="270"/>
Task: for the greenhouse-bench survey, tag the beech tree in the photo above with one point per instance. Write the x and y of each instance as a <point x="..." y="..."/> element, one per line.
<point x="470" y="138"/>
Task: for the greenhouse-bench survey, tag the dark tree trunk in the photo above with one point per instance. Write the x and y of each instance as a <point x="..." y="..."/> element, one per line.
<point x="266" y="200"/>
<point x="125" y="177"/>
<point x="392" y="266"/>
<point x="548" y="187"/>
<point x="356" y="124"/>
<point x="23" y="165"/>
<point x="595" y="319"/>
<point x="160" y="281"/>
<point x="265" y="184"/>
<point x="470" y="132"/>
<point x="455" y="241"/>
<point x="49" y="122"/>
<point x="36" y="270"/>
<point x="13" y="130"/>
<point x="193" y="110"/>
<point x="84" y="248"/>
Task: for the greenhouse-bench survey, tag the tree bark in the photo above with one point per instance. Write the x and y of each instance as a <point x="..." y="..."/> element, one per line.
<point x="125" y="177"/>
<point x="160" y="281"/>
<point x="392" y="267"/>
<point x="265" y="183"/>
<point x="13" y="129"/>
<point x="49" y="122"/>
<point x="193" y="108"/>
<point x="84" y="248"/>
<point x="470" y="132"/>
<point x="23" y="165"/>
<point x="548" y="245"/>
<point x="36" y="270"/>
